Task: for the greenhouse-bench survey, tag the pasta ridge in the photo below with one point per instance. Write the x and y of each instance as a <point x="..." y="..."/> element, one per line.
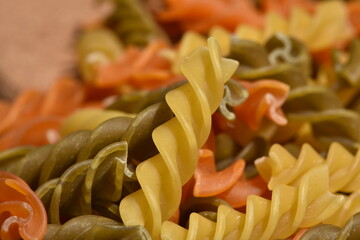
<point x="291" y="207"/>
<point x="282" y="168"/>
<point x="178" y="139"/>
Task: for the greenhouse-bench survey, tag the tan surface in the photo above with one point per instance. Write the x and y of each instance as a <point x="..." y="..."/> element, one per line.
<point x="37" y="40"/>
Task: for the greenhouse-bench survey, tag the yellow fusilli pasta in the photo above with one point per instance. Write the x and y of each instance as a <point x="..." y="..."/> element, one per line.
<point x="178" y="140"/>
<point x="283" y="168"/>
<point x="290" y="208"/>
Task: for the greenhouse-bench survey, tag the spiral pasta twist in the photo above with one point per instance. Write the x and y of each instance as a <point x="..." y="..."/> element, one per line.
<point x="137" y="133"/>
<point x="282" y="168"/>
<point x="178" y="140"/>
<point x="100" y="178"/>
<point x="290" y="208"/>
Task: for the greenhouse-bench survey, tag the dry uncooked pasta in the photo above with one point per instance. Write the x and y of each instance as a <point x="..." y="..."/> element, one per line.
<point x="178" y="140"/>
<point x="290" y="208"/>
<point x="245" y="127"/>
<point x="22" y="213"/>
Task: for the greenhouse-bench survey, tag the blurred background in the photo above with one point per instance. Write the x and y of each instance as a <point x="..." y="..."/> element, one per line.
<point x="37" y="40"/>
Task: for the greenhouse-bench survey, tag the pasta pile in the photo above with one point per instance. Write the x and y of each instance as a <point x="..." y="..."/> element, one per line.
<point x="189" y="119"/>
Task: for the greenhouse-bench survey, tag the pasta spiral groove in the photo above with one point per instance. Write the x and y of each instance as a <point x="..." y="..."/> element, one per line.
<point x="178" y="140"/>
